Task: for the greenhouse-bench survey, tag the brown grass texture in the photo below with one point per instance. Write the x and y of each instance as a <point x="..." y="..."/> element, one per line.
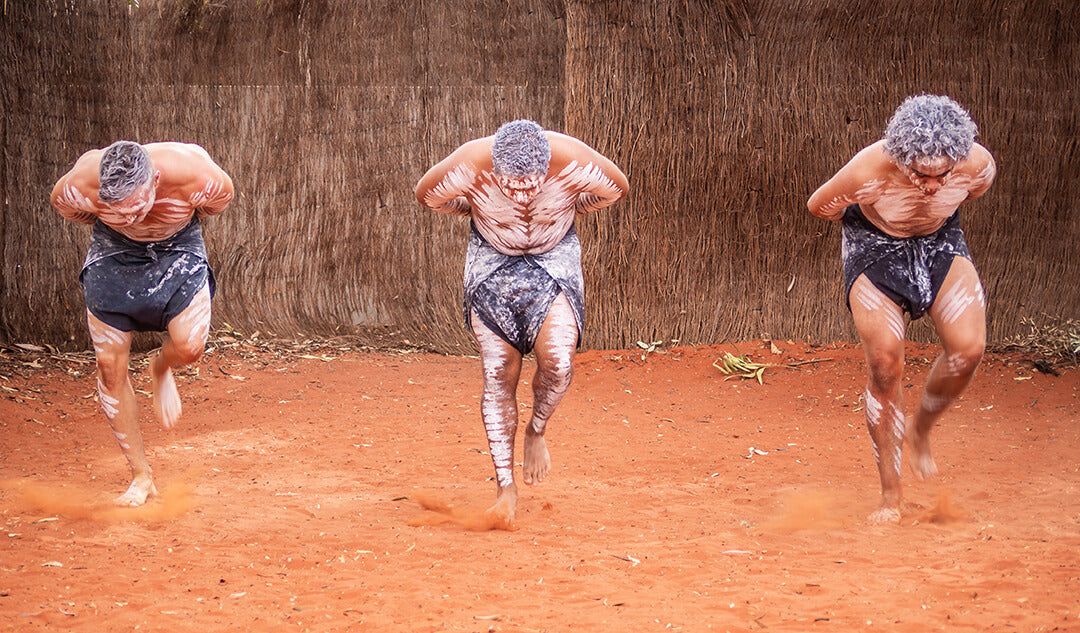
<point x="726" y="115"/>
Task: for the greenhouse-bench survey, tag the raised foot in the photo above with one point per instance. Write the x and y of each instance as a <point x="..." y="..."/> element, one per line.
<point x="166" y="398"/>
<point x="922" y="462"/>
<point x="537" y="460"/>
<point x="137" y="493"/>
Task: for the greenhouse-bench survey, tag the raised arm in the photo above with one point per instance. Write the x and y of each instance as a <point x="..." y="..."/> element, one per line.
<point x="857" y="182"/>
<point x="75" y="194"/>
<point x="444" y="187"/>
<point x="599" y="181"/>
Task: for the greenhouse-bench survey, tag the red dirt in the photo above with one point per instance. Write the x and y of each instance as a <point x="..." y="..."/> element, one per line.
<point x="294" y="496"/>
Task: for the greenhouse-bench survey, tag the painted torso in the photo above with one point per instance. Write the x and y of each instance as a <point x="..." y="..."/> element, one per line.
<point x="578" y="180"/>
<point x="902" y="210"/>
<point x="190" y="184"/>
<point x="891" y="200"/>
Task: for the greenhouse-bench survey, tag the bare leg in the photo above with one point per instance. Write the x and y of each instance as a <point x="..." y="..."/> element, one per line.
<point x="880" y="323"/>
<point x="502" y="367"/>
<point x="554" y="351"/>
<point x="117" y="397"/>
<point x="959" y="315"/>
<point x="182" y="345"/>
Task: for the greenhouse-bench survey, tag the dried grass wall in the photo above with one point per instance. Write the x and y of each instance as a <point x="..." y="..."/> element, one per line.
<point x="725" y="115"/>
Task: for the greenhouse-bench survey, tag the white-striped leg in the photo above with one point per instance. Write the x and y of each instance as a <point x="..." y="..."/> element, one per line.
<point x="959" y="315"/>
<point x="554" y="351"/>
<point x="498" y="407"/>
<point x="182" y="345"/>
<point x="880" y="323"/>
<point x="117" y="398"/>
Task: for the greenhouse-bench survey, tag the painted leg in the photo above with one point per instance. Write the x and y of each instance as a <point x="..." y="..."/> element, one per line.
<point x="498" y="408"/>
<point x="880" y="323"/>
<point x="117" y="398"/>
<point x="182" y="345"/>
<point x="554" y="351"/>
<point x="959" y="316"/>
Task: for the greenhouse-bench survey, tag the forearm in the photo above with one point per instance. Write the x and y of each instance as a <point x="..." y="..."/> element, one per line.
<point x="600" y="188"/>
<point x="215" y="194"/>
<point x="72" y="204"/>
<point x="832" y="209"/>
<point x="446" y="193"/>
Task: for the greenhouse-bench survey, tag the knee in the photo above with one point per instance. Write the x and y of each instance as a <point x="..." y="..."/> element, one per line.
<point x="189" y="351"/>
<point x="557" y="372"/>
<point x="885" y="369"/>
<point x="112" y="369"/>
<point x="963" y="359"/>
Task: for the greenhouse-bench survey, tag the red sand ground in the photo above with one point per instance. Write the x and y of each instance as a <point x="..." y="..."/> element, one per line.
<point x="292" y="497"/>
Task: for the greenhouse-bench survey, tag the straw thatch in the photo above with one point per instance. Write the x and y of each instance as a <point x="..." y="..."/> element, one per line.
<point x="725" y="115"/>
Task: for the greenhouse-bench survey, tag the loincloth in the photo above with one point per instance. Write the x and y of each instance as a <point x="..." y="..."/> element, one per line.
<point x="142" y="286"/>
<point x="909" y="271"/>
<point x="511" y="294"/>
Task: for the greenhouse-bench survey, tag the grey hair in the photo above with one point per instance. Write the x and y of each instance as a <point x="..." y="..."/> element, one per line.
<point x="124" y="167"/>
<point x="520" y="149"/>
<point x="929" y="126"/>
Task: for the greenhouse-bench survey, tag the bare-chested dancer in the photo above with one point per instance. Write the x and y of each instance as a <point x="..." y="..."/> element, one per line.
<point x="522" y="188"/>
<point x="146" y="270"/>
<point x="903" y="251"/>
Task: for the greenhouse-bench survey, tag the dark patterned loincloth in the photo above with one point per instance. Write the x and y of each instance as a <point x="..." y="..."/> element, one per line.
<point x="909" y="271"/>
<point x="141" y="286"/>
<point x="512" y="294"/>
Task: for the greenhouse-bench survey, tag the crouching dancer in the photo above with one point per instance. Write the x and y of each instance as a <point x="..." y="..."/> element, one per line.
<point x="146" y="270"/>
<point x="904" y="251"/>
<point x="522" y="189"/>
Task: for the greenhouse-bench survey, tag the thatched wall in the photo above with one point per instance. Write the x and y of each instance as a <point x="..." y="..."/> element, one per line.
<point x="725" y="115"/>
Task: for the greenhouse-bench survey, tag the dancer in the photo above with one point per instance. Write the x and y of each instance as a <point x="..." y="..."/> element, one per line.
<point x="522" y="189"/>
<point x="146" y="270"/>
<point x="904" y="251"/>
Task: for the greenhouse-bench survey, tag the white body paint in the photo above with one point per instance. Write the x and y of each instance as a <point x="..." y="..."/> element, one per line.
<point x="498" y="405"/>
<point x="892" y="417"/>
<point x="957" y="300"/>
<point x="515" y="228"/>
<point x="873" y="300"/>
<point x="109" y="404"/>
<point x="195" y="319"/>
<point x="935" y="403"/>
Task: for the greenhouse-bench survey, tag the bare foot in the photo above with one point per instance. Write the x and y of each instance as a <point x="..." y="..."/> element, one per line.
<point x="137" y="493"/>
<point x="922" y="463"/>
<point x="885" y="515"/>
<point x="537" y="462"/>
<point x="166" y="398"/>
<point x="502" y="513"/>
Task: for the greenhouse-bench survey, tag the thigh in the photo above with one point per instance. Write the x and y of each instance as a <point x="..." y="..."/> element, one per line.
<point x="558" y="337"/>
<point x="959" y="310"/>
<point x="880" y="322"/>
<point x="111" y="346"/>
<point x="191" y="327"/>
<point x="501" y="360"/>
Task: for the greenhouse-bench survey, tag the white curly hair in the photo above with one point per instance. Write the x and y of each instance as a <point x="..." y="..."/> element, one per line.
<point x="928" y="127"/>
<point x="520" y="149"/>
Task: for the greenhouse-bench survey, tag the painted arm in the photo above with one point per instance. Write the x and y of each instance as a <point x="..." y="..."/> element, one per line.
<point x="855" y="183"/>
<point x="444" y="187"/>
<point x="211" y="188"/>
<point x="598" y="181"/>
<point x="986" y="171"/>
<point x="75" y="194"/>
